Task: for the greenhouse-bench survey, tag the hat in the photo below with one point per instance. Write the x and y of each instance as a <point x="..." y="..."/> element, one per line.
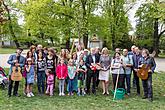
<point x="20" y="49"/>
<point x="86" y="50"/>
<point x="29" y="59"/>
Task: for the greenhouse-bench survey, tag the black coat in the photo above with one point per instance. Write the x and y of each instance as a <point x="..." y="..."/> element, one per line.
<point x="89" y="60"/>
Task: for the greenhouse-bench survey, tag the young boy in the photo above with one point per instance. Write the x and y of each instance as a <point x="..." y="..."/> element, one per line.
<point x="81" y="77"/>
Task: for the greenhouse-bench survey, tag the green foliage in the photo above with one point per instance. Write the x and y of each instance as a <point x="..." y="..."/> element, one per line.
<point x="147" y="14"/>
<point x="145" y="43"/>
<point x="117" y="20"/>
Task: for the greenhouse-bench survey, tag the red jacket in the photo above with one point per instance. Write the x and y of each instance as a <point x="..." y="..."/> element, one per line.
<point x="61" y="71"/>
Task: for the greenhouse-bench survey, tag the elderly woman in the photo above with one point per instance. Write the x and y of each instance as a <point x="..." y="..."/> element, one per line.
<point x="105" y="62"/>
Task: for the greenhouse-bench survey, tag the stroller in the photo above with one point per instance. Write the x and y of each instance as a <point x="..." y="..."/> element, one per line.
<point x="3" y="79"/>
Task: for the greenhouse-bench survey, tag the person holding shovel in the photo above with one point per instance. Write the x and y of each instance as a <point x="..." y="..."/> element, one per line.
<point x="118" y="74"/>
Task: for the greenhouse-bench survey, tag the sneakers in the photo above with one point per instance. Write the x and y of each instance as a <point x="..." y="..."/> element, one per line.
<point x="28" y="95"/>
<point x="31" y="94"/>
<point x="62" y="94"/>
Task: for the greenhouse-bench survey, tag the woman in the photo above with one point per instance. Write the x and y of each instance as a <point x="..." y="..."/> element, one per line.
<point x="105" y="62"/>
<point x="63" y="55"/>
<point x="33" y="50"/>
<point x="41" y="67"/>
<point x="79" y="51"/>
<point x="117" y="68"/>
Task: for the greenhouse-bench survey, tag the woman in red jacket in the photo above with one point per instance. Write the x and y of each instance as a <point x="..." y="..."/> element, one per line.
<point x="62" y="73"/>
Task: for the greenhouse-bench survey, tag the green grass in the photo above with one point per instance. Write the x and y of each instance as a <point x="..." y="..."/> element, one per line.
<point x="7" y="50"/>
<point x="98" y="102"/>
<point x="162" y="55"/>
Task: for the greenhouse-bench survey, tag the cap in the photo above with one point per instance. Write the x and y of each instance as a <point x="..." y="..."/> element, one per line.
<point x="29" y="59"/>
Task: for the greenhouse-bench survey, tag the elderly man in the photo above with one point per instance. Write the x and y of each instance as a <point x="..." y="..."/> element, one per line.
<point x="128" y="63"/>
<point x="136" y="58"/>
<point x="91" y="61"/>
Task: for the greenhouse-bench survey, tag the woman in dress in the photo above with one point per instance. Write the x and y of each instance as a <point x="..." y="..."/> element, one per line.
<point x="105" y="62"/>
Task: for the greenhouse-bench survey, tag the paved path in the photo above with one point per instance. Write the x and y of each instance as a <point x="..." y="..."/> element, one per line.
<point x="4" y="57"/>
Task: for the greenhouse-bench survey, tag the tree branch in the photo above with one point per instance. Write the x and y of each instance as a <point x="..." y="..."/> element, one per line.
<point x="161" y="33"/>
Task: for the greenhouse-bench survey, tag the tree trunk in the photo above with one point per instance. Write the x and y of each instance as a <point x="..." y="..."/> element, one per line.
<point x="11" y="26"/>
<point x="67" y="45"/>
<point x="51" y="39"/>
<point x="85" y="40"/>
<point x="156" y="37"/>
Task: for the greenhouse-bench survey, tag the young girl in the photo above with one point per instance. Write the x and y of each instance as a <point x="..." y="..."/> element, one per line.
<point x="41" y="66"/>
<point x="62" y="73"/>
<point x="81" y="77"/>
<point x="30" y="77"/>
<point x="71" y="74"/>
<point x="50" y="82"/>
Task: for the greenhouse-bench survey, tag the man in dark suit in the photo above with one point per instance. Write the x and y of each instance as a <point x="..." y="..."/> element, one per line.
<point x="91" y="60"/>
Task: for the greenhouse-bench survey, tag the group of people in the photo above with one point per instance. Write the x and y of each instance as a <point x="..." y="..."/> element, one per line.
<point x="75" y="71"/>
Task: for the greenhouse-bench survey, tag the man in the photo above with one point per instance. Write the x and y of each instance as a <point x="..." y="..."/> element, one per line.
<point x="147" y="84"/>
<point x="128" y="63"/>
<point x="131" y="53"/>
<point x="136" y="58"/>
<point x="97" y="50"/>
<point x="91" y="60"/>
<point x="117" y="50"/>
<point x="18" y="61"/>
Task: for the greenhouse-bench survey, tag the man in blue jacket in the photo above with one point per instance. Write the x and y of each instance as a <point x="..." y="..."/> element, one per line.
<point x="19" y="61"/>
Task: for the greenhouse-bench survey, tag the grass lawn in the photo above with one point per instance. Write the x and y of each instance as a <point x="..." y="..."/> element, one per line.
<point x="7" y="50"/>
<point x="98" y="102"/>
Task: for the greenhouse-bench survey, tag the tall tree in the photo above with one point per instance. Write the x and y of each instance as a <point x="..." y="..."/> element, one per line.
<point x="151" y="23"/>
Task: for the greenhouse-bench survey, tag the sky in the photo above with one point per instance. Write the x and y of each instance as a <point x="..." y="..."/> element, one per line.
<point x="131" y="15"/>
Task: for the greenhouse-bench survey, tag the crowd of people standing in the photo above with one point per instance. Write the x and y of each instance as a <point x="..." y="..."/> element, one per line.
<point x="76" y="71"/>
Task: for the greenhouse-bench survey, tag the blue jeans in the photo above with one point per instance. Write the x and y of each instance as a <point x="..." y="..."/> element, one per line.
<point x="128" y="82"/>
<point x="147" y="86"/>
<point x="71" y="85"/>
<point x="41" y="82"/>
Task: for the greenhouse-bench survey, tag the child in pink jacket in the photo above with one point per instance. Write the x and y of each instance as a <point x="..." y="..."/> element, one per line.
<point x="50" y="82"/>
<point x="61" y="73"/>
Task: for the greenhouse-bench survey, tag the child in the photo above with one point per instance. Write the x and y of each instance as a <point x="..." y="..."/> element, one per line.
<point x="30" y="77"/>
<point x="50" y="82"/>
<point x="71" y="74"/>
<point x="81" y="77"/>
<point x="61" y="72"/>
